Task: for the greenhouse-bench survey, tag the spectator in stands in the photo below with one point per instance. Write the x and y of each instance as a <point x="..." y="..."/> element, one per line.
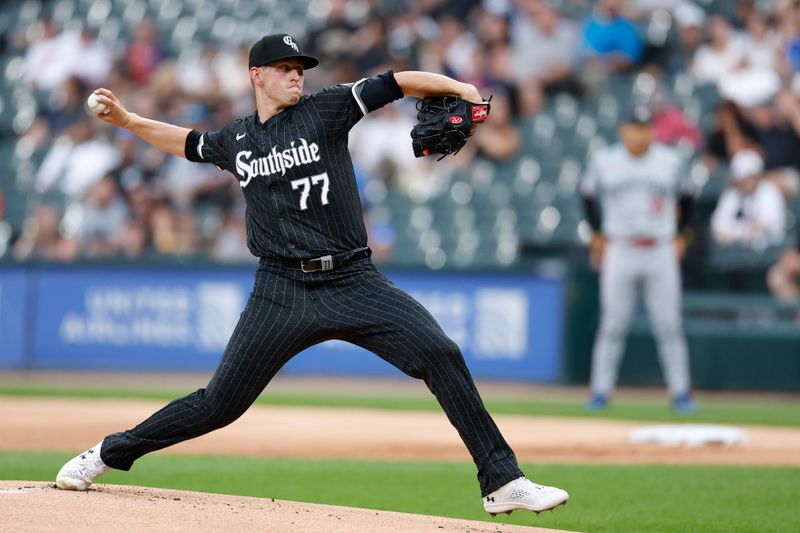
<point x="49" y="60"/>
<point x="133" y="240"/>
<point x="749" y="86"/>
<point x="778" y="132"/>
<point x="187" y="230"/>
<point x="76" y="161"/>
<point x="235" y="88"/>
<point x="690" y="20"/>
<point x="194" y="74"/>
<point x="499" y="140"/>
<point x="493" y="28"/>
<point x="330" y="37"/>
<point x="92" y="59"/>
<point x="142" y="202"/>
<point x="169" y="231"/>
<point x="755" y="79"/>
<point x="670" y="125"/>
<point x="724" y="52"/>
<point x="489" y="67"/>
<point x="145" y="53"/>
<point x="375" y="147"/>
<point x="530" y="99"/>
<point x="41" y="238"/>
<point x="369" y="46"/>
<point x="783" y="279"/>
<point x="773" y="129"/>
<point x="188" y="187"/>
<point x="68" y="105"/>
<point x="495" y="61"/>
<point x="460" y="48"/>
<point x="730" y="133"/>
<point x="163" y="228"/>
<point x="544" y="46"/>
<point x="103" y="217"/>
<point x="751" y="212"/>
<point x="762" y="42"/>
<point x="230" y="244"/>
<point x="611" y="39"/>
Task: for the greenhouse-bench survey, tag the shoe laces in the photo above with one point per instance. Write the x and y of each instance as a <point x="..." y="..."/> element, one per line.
<point x="523" y="488"/>
<point x="535" y="485"/>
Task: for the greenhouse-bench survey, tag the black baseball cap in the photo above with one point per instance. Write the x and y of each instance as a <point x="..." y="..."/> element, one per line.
<point x="639" y="114"/>
<point x="278" y="46"/>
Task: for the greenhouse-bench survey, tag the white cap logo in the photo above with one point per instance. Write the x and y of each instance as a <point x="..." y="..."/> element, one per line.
<point x="289" y="42"/>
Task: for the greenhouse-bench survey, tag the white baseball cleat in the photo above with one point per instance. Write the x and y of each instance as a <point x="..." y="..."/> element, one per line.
<point x="524" y="494"/>
<point x="80" y="472"/>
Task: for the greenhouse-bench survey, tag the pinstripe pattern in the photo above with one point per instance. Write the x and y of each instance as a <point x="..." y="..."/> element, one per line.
<point x="275" y="225"/>
<point x="289" y="311"/>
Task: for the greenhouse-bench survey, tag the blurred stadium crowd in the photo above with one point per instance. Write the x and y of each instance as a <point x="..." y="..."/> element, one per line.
<point x="722" y="77"/>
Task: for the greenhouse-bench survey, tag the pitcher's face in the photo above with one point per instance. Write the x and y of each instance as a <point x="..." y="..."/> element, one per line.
<point x="282" y="80"/>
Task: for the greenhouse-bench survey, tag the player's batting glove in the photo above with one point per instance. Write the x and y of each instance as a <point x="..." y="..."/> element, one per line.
<point x="445" y="123"/>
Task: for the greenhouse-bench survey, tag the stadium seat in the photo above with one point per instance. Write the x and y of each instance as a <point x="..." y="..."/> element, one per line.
<point x="734" y="258"/>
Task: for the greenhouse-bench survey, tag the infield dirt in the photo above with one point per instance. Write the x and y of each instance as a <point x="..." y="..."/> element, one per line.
<point x="36" y="506"/>
<point x="32" y="423"/>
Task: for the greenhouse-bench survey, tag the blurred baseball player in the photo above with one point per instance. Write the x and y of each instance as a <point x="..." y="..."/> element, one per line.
<point x="315" y="280"/>
<point x="640" y="184"/>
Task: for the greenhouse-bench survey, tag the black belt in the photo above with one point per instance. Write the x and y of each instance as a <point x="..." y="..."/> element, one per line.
<point x="324" y="263"/>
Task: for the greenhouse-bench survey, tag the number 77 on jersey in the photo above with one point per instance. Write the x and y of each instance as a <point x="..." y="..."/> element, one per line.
<point x="306" y="184"/>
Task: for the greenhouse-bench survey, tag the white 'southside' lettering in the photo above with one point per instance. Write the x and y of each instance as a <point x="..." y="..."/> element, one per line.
<point x="299" y="153"/>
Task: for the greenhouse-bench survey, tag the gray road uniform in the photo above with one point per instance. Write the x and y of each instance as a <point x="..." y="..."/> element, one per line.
<point x="638" y="198"/>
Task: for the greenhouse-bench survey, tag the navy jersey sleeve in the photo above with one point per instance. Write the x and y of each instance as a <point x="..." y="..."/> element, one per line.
<point x="211" y="147"/>
<point x="340" y="107"/>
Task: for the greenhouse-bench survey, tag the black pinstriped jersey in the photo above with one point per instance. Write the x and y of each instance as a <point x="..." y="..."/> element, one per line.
<point x="295" y="170"/>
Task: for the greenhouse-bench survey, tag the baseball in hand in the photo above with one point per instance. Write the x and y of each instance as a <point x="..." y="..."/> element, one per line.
<point x="96" y="106"/>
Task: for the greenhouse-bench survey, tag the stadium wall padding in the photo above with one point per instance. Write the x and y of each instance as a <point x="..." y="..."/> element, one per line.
<point x="14" y="316"/>
<point x="93" y="317"/>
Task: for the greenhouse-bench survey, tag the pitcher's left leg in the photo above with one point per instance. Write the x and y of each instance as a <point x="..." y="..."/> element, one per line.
<point x="371" y="312"/>
<point x="410" y="339"/>
<point x="368" y="310"/>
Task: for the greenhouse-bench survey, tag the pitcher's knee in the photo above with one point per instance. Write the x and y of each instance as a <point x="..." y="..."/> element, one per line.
<point x="446" y="353"/>
<point x="434" y="356"/>
<point x="445" y="348"/>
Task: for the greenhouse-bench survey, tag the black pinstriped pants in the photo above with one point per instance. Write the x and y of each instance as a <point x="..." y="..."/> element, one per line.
<point x="289" y="311"/>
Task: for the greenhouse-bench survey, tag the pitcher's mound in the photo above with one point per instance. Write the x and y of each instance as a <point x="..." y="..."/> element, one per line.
<point x="34" y="506"/>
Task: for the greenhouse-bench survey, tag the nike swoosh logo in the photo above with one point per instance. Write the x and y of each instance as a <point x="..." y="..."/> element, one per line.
<point x="240" y="137"/>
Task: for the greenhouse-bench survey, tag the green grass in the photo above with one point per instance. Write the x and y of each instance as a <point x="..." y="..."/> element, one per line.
<point x="771" y="412"/>
<point x="603" y="498"/>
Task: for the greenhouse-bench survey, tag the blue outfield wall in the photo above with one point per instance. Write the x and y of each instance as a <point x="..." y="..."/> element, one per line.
<point x="14" y="316"/>
<point x="509" y="326"/>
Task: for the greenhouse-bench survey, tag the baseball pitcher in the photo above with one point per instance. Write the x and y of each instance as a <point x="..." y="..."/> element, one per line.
<point x="315" y="280"/>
